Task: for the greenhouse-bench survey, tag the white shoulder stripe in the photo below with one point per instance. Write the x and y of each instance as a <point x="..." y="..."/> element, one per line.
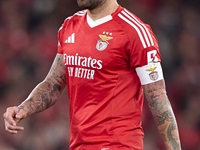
<point x="60" y="28"/>
<point x="63" y="23"/>
<point x="140" y="26"/>
<point x="141" y="29"/>
<point x="68" y="18"/>
<point x="83" y="11"/>
<point x="150" y="37"/>
<point x="79" y="14"/>
<point x="136" y="28"/>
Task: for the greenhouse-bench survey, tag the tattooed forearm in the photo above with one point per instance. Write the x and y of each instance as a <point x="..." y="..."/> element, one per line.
<point x="41" y="98"/>
<point x="163" y="114"/>
<point x="163" y="117"/>
<point x="48" y="91"/>
<point x="171" y="138"/>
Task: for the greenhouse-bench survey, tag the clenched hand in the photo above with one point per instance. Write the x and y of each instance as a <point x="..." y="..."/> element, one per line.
<point x="12" y="117"/>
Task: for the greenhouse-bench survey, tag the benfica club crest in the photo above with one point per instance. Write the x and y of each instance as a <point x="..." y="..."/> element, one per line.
<point x="154" y="74"/>
<point x="103" y="43"/>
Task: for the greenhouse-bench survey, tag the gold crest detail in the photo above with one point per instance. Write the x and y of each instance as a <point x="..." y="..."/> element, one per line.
<point x="105" y="38"/>
<point x="151" y="69"/>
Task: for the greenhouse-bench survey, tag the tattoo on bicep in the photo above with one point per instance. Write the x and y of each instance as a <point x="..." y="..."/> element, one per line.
<point x="152" y="104"/>
<point x="63" y="78"/>
<point x="55" y="88"/>
<point x="58" y="62"/>
<point x="58" y="76"/>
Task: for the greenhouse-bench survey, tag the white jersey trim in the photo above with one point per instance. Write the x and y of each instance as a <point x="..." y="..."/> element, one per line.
<point x="143" y="33"/>
<point x="142" y="26"/>
<point x="136" y="28"/>
<point x="81" y="13"/>
<point x="92" y="23"/>
<point x="150" y="73"/>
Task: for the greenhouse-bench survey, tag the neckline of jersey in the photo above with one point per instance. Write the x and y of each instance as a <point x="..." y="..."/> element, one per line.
<point x="100" y="21"/>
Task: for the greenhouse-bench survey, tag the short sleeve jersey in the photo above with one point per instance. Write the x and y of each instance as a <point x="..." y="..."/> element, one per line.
<point x="105" y="92"/>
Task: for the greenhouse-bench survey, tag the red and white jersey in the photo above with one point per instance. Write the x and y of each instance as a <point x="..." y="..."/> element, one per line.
<point x="105" y="92"/>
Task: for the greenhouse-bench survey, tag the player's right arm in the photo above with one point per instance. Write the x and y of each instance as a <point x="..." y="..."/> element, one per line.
<point x="44" y="95"/>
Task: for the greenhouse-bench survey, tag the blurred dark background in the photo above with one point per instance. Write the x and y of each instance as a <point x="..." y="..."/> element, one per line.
<point x="28" y="44"/>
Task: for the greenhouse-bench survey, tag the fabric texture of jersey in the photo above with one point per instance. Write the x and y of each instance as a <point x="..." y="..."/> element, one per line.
<point x="105" y="93"/>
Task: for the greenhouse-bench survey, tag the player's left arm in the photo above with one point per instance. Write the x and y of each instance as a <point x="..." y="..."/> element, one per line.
<point x="163" y="114"/>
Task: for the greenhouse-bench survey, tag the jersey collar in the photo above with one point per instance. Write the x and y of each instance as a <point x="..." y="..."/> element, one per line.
<point x="92" y="23"/>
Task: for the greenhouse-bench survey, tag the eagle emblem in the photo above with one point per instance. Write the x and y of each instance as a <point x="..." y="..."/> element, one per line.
<point x="154" y="74"/>
<point x="103" y="43"/>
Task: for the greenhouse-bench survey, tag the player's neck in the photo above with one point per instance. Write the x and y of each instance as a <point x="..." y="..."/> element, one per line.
<point x="104" y="10"/>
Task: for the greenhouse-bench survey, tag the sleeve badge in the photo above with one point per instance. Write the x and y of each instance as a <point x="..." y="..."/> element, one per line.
<point x="153" y="74"/>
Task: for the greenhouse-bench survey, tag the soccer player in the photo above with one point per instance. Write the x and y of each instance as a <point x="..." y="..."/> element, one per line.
<point x="107" y="57"/>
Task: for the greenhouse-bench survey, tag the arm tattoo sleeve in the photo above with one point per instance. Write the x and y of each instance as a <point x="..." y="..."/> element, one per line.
<point x="47" y="92"/>
<point x="163" y="114"/>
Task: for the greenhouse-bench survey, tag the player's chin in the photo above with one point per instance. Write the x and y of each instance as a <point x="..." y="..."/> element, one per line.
<point x="86" y="4"/>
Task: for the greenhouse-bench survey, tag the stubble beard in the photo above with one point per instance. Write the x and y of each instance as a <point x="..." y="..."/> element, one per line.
<point x="89" y="4"/>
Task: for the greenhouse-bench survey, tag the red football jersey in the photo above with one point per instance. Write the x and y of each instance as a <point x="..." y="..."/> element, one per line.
<point x="105" y="92"/>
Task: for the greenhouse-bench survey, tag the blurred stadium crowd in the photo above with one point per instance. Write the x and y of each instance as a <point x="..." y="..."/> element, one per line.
<point x="28" y="44"/>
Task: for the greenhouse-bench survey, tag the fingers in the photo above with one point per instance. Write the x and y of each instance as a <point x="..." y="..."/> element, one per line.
<point x="10" y="114"/>
<point x="18" y="118"/>
<point x="11" y="121"/>
<point x="13" y="129"/>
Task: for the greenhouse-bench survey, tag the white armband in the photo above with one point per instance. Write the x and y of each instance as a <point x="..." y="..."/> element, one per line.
<point x="150" y="73"/>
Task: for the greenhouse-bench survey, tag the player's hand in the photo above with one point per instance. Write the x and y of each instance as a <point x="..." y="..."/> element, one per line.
<point x="12" y="117"/>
